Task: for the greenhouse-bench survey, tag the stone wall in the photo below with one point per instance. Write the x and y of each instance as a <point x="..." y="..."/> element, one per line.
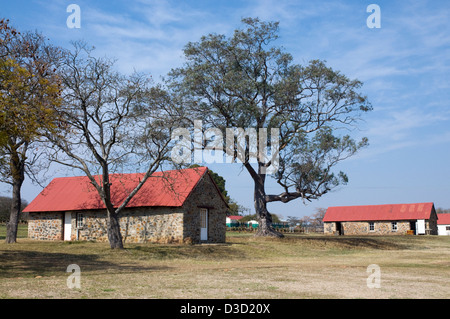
<point x="329" y="228"/>
<point x="362" y="228"/>
<point x="137" y="225"/>
<point x="155" y="224"/>
<point x="93" y="226"/>
<point x="45" y="226"/>
<point x="380" y="228"/>
<point x="431" y="224"/>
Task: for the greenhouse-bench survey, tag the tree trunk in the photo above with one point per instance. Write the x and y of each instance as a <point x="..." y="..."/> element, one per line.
<point x="113" y="225"/>
<point x="114" y="235"/>
<point x="18" y="175"/>
<point x="265" y="228"/>
<point x="11" y="228"/>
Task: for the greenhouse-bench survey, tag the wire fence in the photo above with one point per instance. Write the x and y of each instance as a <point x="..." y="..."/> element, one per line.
<point x="287" y="229"/>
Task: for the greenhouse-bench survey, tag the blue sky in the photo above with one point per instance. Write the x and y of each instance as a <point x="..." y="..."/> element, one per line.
<point x="405" y="67"/>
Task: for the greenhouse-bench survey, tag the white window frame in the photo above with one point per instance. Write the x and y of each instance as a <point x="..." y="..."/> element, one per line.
<point x="80" y="220"/>
<point x="394" y="226"/>
<point x="371" y="226"/>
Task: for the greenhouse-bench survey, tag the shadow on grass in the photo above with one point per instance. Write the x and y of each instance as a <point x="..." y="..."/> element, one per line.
<point x="369" y="243"/>
<point x="350" y="242"/>
<point x="337" y="242"/>
<point x="34" y="263"/>
<point x="204" y="252"/>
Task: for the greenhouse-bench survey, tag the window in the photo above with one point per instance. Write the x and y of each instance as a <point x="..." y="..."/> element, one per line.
<point x="447" y="227"/>
<point x="203" y="218"/>
<point x="371" y="226"/>
<point x="394" y="226"/>
<point x="80" y="220"/>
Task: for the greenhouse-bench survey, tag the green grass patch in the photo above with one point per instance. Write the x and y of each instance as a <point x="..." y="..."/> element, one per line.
<point x="22" y="231"/>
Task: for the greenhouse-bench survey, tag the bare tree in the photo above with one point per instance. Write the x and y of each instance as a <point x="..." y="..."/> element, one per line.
<point x="111" y="123"/>
<point x="317" y="217"/>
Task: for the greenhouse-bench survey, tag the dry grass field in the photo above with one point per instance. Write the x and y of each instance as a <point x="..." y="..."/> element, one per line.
<point x="298" y="266"/>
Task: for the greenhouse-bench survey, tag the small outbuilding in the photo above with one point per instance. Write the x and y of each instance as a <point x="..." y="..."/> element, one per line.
<point x="443" y="224"/>
<point x="172" y="206"/>
<point x="391" y="219"/>
<point x="253" y="223"/>
<point x="233" y="220"/>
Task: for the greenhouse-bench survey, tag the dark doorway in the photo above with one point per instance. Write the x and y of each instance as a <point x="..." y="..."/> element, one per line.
<point x="339" y="228"/>
<point x="412" y="226"/>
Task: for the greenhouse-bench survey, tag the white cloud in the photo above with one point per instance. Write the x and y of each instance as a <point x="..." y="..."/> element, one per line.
<point x="398" y="124"/>
<point x="149" y="36"/>
<point x="393" y="129"/>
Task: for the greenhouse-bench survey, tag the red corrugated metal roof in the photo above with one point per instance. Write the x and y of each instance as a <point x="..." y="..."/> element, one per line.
<point x="379" y="212"/>
<point x="169" y="188"/>
<point x="235" y="217"/>
<point x="443" y="219"/>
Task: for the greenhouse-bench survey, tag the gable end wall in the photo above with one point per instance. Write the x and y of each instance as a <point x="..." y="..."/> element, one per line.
<point x="205" y="195"/>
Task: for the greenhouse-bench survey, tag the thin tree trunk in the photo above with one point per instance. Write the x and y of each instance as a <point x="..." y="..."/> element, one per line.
<point x="18" y="175"/>
<point x="265" y="228"/>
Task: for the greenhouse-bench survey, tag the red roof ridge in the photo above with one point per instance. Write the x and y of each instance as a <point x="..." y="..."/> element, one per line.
<point x="385" y="204"/>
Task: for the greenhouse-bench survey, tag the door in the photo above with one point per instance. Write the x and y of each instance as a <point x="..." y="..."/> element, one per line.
<point x="203" y="224"/>
<point x="67" y="225"/>
<point x="420" y="227"/>
<point x="339" y="229"/>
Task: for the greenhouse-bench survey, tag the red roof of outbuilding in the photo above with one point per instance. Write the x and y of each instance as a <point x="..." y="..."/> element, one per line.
<point x="379" y="212"/>
<point x="443" y="219"/>
<point x="235" y="217"/>
<point x="169" y="188"/>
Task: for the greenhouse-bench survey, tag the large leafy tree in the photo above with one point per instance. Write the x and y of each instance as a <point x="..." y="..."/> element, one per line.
<point x="29" y="95"/>
<point x="244" y="81"/>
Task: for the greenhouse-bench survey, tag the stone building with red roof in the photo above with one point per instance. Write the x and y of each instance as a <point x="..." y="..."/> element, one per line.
<point x="392" y="219"/>
<point x="172" y="206"/>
